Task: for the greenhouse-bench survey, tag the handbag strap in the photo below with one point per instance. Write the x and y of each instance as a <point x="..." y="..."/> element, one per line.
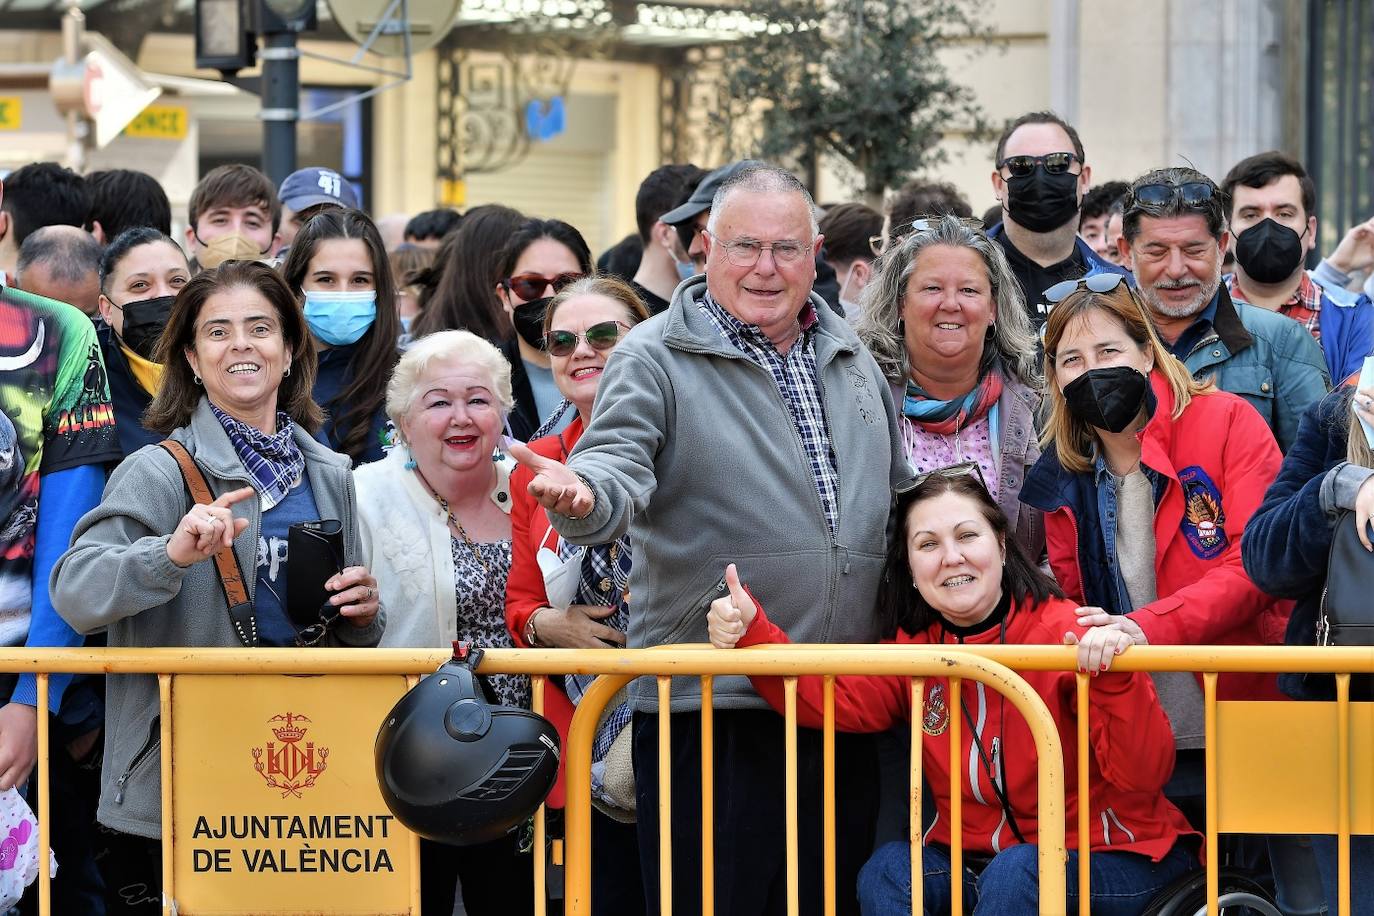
<point x="241" y="613"/>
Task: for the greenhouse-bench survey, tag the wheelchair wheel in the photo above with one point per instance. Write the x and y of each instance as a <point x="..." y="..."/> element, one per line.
<point x="1237" y="895"/>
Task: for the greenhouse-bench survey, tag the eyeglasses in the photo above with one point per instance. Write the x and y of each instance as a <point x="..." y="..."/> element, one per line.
<point x="1097" y="283"/>
<point x="952" y="472"/>
<point x="601" y="336"/>
<point x="532" y="286"/>
<point x="1190" y="194"/>
<point x="1021" y="166"/>
<point x="746" y="252"/>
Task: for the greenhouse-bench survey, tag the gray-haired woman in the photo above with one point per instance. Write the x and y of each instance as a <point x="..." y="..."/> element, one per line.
<point x="944" y="319"/>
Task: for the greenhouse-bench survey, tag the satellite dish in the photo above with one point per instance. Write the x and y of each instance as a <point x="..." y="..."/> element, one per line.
<point x="429" y="21"/>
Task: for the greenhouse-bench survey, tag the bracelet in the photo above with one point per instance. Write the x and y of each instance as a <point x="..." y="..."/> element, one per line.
<point x="531" y="634"/>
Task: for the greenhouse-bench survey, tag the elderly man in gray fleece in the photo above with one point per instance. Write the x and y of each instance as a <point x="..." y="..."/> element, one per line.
<point x="745" y="424"/>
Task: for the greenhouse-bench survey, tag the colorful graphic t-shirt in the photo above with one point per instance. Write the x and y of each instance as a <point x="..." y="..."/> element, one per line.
<point x="55" y="414"/>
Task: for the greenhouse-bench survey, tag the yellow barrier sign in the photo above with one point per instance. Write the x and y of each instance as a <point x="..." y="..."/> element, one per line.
<point x="274" y="797"/>
<point x="159" y="122"/>
<point x="11" y="112"/>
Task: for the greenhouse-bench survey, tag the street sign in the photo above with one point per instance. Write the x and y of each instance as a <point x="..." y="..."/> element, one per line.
<point x="113" y="89"/>
<point x="11" y="112"/>
<point x="159" y="122"/>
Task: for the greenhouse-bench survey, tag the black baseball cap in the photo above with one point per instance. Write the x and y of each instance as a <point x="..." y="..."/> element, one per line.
<point x="701" y="198"/>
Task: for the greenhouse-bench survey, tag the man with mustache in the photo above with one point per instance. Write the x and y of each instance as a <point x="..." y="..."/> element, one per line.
<point x="1173" y="238"/>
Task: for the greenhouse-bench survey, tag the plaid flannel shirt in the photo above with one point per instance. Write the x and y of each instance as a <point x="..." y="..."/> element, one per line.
<point x="798" y="381"/>
<point x="1304" y="306"/>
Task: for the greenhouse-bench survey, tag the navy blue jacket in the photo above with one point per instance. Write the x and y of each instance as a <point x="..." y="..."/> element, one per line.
<point x="1288" y="539"/>
<point x="334" y="376"/>
<point x="128" y="397"/>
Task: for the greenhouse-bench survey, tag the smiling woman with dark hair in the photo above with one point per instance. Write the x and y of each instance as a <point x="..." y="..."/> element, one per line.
<point x="235" y="396"/>
<point x="956" y="576"/>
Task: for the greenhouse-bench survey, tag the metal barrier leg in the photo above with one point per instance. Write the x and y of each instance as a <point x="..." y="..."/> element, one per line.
<point x="537" y="683"/>
<point x="44" y="796"/>
<point x="1084" y="801"/>
<point x="411" y="681"/>
<point x="956" y="800"/>
<point x="828" y="789"/>
<point x="790" y="782"/>
<point x="918" y="875"/>
<point x="708" y="796"/>
<point x="1209" y="708"/>
<point x="1343" y="791"/>
<point x="164" y="691"/>
<point x="665" y="797"/>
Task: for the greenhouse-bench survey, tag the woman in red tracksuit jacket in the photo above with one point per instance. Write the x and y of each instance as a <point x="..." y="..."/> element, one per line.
<point x="975" y="585"/>
<point x="582" y="326"/>
<point x="1147" y="480"/>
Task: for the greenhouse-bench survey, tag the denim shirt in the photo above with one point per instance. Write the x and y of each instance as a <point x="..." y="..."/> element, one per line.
<point x="1105" y="483"/>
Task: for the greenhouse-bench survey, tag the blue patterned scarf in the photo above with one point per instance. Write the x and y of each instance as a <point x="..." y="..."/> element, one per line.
<point x="274" y="462"/>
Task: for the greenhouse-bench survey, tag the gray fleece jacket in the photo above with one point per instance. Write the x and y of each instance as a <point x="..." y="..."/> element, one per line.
<point x="691" y="448"/>
<point x="116" y="576"/>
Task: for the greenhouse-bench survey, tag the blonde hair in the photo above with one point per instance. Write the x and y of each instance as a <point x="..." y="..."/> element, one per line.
<point x="1357" y="450"/>
<point x="1074" y="441"/>
<point x="463" y="346"/>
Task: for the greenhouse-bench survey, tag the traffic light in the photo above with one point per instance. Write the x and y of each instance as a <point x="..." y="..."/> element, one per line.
<point x="224" y="35"/>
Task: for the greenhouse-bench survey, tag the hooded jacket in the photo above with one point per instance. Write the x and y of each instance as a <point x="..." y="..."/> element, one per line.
<point x="1130" y="760"/>
<point x="117" y="576"/>
<point x="1210" y="467"/>
<point x="693" y="451"/>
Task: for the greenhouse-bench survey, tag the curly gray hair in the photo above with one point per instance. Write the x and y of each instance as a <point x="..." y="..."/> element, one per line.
<point x="883" y="297"/>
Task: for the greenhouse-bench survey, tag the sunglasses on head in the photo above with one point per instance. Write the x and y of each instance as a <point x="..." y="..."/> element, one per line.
<point x="952" y="472"/>
<point x="1190" y="194"/>
<point x="923" y="224"/>
<point x="1021" y="166"/>
<point x="600" y="336"/>
<point x="1097" y="283"/>
<point x="532" y="286"/>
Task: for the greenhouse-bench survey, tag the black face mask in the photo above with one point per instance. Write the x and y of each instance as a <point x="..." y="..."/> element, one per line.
<point x="144" y="320"/>
<point x="529" y="321"/>
<point x="1041" y="201"/>
<point x="1107" y="398"/>
<point x="1269" y="252"/>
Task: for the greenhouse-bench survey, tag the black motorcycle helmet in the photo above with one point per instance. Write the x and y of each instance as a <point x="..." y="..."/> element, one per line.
<point x="456" y="767"/>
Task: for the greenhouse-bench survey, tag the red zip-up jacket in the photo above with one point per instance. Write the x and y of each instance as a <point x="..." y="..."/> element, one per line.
<point x="529" y="530"/>
<point x="1217" y="461"/>
<point x="1132" y="746"/>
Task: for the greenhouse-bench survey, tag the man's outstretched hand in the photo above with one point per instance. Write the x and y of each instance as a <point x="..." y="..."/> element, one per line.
<point x="555" y="487"/>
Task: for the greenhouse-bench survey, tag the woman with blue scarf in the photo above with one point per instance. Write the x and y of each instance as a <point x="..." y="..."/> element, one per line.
<point x="944" y="319"/>
<point x="235" y="399"/>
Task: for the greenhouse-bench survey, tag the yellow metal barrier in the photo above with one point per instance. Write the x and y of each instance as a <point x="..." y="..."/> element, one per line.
<point x="1349" y="807"/>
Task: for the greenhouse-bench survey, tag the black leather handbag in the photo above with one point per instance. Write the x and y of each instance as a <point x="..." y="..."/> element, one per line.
<point x="1346" y="616"/>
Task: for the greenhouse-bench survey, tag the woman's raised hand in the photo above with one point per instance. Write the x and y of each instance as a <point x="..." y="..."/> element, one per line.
<point x="206" y="528"/>
<point x="730" y="616"/>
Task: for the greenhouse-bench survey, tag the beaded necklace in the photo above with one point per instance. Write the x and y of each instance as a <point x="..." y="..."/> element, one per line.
<point x="454" y="523"/>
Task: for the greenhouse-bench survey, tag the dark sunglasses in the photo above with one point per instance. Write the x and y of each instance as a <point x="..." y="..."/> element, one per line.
<point x="952" y="472"/>
<point x="1190" y="194"/>
<point x="1021" y="166"/>
<point x="600" y="336"/>
<point x="1097" y="283"/>
<point x="532" y="286"/>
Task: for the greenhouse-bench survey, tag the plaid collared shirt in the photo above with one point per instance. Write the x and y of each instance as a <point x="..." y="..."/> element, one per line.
<point x="798" y="381"/>
<point x="1304" y="306"/>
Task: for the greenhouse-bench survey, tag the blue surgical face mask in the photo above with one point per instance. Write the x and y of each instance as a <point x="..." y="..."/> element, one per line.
<point x="405" y="322"/>
<point x="686" y="270"/>
<point x="340" y="318"/>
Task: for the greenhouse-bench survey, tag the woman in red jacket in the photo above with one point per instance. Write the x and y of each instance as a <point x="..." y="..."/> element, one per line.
<point x="560" y="595"/>
<point x="1147" y="480"/>
<point x="974" y="584"/>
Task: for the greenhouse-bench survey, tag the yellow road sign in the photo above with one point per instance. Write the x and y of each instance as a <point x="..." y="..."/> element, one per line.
<point x="11" y="112"/>
<point x="159" y="122"/>
<point x="274" y="797"/>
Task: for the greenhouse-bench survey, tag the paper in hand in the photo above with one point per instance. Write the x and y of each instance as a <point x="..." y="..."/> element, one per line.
<point x="1366" y="381"/>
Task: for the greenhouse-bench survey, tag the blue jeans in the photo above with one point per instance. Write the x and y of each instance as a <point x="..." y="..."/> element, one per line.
<point x="1122" y="882"/>
<point x="1361" y="874"/>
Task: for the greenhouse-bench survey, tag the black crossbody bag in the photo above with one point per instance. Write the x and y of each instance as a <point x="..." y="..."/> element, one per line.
<point x="1346" y="615"/>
